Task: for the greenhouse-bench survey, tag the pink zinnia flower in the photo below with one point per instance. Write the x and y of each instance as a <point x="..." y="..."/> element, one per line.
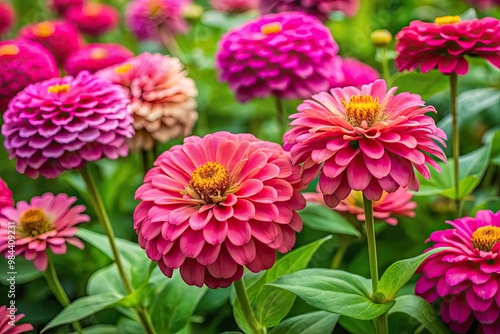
<point x="6" y="316"/>
<point x="23" y="63"/>
<point x="288" y="55"/>
<point x="466" y="276"/>
<point x="6" y="199"/>
<point x="162" y="98"/>
<point x="443" y="45"/>
<point x="145" y="17"/>
<point x="95" y="57"/>
<point x="93" y="19"/>
<point x="364" y="139"/>
<point x="63" y="123"/>
<point x="8" y="16"/>
<point x="61" y="6"/>
<point x="47" y="221"/>
<point x="356" y="74"/>
<point x="319" y="8"/>
<point x="59" y="37"/>
<point x="234" y="6"/>
<point x="484" y="4"/>
<point x="216" y="204"/>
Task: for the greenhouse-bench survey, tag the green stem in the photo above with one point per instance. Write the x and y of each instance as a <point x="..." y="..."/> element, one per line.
<point x="145" y="161"/>
<point x="456" y="138"/>
<point x="170" y="43"/>
<point x="58" y="291"/>
<point x="339" y="255"/>
<point x="280" y="114"/>
<point x="381" y="324"/>
<point x="385" y="66"/>
<point x="241" y="293"/>
<point x="372" y="245"/>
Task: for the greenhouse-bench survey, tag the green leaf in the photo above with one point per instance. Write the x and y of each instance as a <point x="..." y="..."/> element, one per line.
<point x="82" y="308"/>
<point x="399" y="273"/>
<point x="310" y="323"/>
<point x="356" y="326"/>
<point x="422" y="84"/>
<point x="128" y="326"/>
<point x="322" y="218"/>
<point x="420" y="309"/>
<point x="469" y="14"/>
<point x="334" y="291"/>
<point x="101" y="329"/>
<point x="25" y="272"/>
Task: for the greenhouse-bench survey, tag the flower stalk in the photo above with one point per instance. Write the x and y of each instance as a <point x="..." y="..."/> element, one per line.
<point x="241" y="293"/>
<point x="456" y="138"/>
<point x="280" y="114"/>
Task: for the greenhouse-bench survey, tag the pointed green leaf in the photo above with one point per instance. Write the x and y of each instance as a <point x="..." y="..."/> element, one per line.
<point x="322" y="218"/>
<point x="310" y="323"/>
<point x="101" y="329"/>
<point x="356" y="326"/>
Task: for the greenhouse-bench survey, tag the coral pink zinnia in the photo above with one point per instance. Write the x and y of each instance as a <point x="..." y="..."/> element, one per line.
<point x="234" y="6"/>
<point x="46" y="222"/>
<point x="216" y="204"/>
<point x="93" y="19"/>
<point x="465" y="276"/>
<point x="364" y="139"/>
<point x="6" y="199"/>
<point x="8" y="16"/>
<point x="443" y="45"/>
<point x="63" y="123"/>
<point x="319" y="8"/>
<point x="6" y="316"/>
<point x="289" y="55"/>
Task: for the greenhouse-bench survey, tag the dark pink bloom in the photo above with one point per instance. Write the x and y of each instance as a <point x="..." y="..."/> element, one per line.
<point x="59" y="37"/>
<point x="6" y="199"/>
<point x="22" y="63"/>
<point x="443" y="45"/>
<point x="234" y="6"/>
<point x="288" y="55"/>
<point x="356" y="74"/>
<point x="364" y="139"/>
<point x="63" y="123"/>
<point x="6" y="327"/>
<point x="45" y="222"/>
<point x="95" y="57"/>
<point x="484" y="4"/>
<point x="8" y="16"/>
<point x="466" y="276"/>
<point x="145" y="17"/>
<point x="93" y="19"/>
<point x="61" y="6"/>
<point x="216" y="204"/>
<point x="319" y="8"/>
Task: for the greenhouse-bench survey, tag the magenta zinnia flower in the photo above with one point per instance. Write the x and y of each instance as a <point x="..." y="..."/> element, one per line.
<point x="234" y="6"/>
<point x="9" y="316"/>
<point x="61" y="6"/>
<point x="145" y="17"/>
<point x="443" y="45"/>
<point x="47" y="221"/>
<point x="63" y="123"/>
<point x="59" y="37"/>
<point x="356" y="74"/>
<point x="484" y="4"/>
<point x="465" y="276"/>
<point x="216" y="204"/>
<point x="6" y="199"/>
<point x="288" y="55"/>
<point x="364" y="139"/>
<point x="23" y="63"/>
<point x="319" y="8"/>
<point x="8" y="16"/>
<point x="95" y="57"/>
<point x="93" y="19"/>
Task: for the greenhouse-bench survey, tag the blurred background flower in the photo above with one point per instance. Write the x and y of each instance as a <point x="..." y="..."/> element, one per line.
<point x="319" y="8"/>
<point x="234" y="6"/>
<point x="93" y="19"/>
<point x="95" y="57"/>
<point x="8" y="16"/>
<point x="356" y="74"/>
<point x="6" y="199"/>
<point x="61" y="6"/>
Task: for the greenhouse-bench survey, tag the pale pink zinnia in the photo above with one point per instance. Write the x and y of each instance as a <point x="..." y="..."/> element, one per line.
<point x="364" y="139"/>
<point x="443" y="45"/>
<point x="93" y="19"/>
<point x="289" y="55"/>
<point x="162" y="98"/>
<point x="356" y="74"/>
<point x="46" y="222"/>
<point x="63" y="123"/>
<point x="234" y="6"/>
<point x="466" y="276"/>
<point x="8" y="17"/>
<point x="8" y="317"/>
<point x="216" y="204"/>
<point x="319" y="8"/>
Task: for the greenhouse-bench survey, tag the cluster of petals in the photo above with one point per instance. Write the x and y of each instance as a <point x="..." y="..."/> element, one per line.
<point x="6" y="199"/>
<point x="465" y="277"/>
<point x="23" y="63"/>
<point x="289" y="55"/>
<point x="319" y="8"/>
<point x="46" y="222"/>
<point x="212" y="224"/>
<point x="93" y="19"/>
<point x="234" y="6"/>
<point x="146" y="18"/>
<point x="356" y="74"/>
<point x="8" y="326"/>
<point x="366" y="139"/>
<point x="59" y="37"/>
<point x="8" y="16"/>
<point x="162" y="97"/>
<point x="95" y="57"/>
<point x="62" y="123"/>
<point x="444" y="47"/>
<point x="61" y="6"/>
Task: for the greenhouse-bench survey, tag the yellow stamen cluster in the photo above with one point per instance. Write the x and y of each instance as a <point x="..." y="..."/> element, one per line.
<point x="9" y="50"/>
<point x="92" y="9"/>
<point x="33" y="222"/>
<point x="44" y="29"/>
<point x="362" y="111"/>
<point x="123" y="68"/>
<point x="209" y="182"/>
<point x="98" y="53"/>
<point x="154" y="7"/>
<point x="56" y="89"/>
<point x="444" y="20"/>
<point x="484" y="238"/>
<point x="271" y="28"/>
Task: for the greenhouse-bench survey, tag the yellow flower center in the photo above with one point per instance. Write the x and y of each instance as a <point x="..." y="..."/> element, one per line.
<point x="271" y="28"/>
<point x="209" y="182"/>
<point x="98" y="53"/>
<point x="44" y="29"/>
<point x="484" y="238"/>
<point x="123" y="68"/>
<point x="444" y="20"/>
<point x="9" y="50"/>
<point x="355" y="198"/>
<point x="56" y="89"/>
<point x="362" y="111"/>
<point x="154" y="7"/>
<point x="92" y="9"/>
<point x="381" y="38"/>
<point x="34" y="222"/>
